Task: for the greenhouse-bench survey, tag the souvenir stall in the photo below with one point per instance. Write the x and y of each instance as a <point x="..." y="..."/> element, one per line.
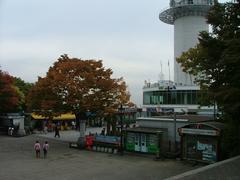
<point x="201" y="141"/>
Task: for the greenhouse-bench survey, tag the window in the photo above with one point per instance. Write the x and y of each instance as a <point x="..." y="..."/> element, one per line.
<point x="171" y="97"/>
<point x="210" y="2"/>
<point x="147" y="97"/>
<point x="190" y="1"/>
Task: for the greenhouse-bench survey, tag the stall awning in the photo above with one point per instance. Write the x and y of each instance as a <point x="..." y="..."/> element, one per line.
<point x="66" y="116"/>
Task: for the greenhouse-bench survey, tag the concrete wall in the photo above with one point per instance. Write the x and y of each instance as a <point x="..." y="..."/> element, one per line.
<point x="163" y="123"/>
<point x="228" y="169"/>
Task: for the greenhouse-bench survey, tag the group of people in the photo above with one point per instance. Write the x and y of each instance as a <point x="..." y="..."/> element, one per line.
<point x="37" y="148"/>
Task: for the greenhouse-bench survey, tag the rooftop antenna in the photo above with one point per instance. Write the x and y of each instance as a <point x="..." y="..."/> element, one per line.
<point x="161" y="75"/>
<point x="169" y="72"/>
<point x="161" y="66"/>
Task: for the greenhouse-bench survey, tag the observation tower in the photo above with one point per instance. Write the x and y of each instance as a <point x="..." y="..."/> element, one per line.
<point x="188" y="18"/>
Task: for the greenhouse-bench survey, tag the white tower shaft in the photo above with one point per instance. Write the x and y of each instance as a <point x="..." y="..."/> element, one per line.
<point x="188" y="18"/>
<point x="186" y="31"/>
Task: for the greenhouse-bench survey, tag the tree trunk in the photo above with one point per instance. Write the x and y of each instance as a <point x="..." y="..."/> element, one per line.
<point x="108" y="119"/>
<point x="80" y="117"/>
<point x="114" y="123"/>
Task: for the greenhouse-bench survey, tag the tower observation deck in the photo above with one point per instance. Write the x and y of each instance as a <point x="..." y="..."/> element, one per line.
<point x="188" y="18"/>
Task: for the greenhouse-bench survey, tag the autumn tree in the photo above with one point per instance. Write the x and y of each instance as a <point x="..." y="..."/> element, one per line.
<point x="42" y="100"/>
<point x="79" y="86"/>
<point x="10" y="96"/>
<point x="215" y="62"/>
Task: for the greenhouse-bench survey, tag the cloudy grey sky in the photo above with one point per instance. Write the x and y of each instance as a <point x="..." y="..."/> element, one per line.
<point x="126" y="34"/>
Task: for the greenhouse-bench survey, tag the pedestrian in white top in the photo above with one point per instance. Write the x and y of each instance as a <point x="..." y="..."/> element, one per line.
<point x="45" y="149"/>
<point x="37" y="148"/>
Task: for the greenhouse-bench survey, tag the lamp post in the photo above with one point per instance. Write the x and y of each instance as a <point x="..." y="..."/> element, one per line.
<point x="175" y="135"/>
<point x="121" y="128"/>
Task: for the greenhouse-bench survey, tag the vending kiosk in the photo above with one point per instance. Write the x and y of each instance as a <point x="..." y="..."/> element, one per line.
<point x="145" y="140"/>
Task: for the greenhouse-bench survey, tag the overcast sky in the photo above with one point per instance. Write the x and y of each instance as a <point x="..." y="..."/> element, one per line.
<point x="126" y="34"/>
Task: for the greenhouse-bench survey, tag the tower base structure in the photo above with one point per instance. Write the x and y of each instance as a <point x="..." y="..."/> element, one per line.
<point x="167" y="97"/>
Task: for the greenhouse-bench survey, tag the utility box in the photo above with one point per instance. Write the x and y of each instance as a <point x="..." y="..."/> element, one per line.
<point x="14" y="121"/>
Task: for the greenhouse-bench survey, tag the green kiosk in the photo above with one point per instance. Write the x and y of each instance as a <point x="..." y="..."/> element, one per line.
<point x="145" y="140"/>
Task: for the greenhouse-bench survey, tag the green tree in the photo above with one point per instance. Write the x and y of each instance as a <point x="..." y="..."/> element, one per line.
<point x="22" y="89"/>
<point x="215" y="62"/>
<point x="23" y="86"/>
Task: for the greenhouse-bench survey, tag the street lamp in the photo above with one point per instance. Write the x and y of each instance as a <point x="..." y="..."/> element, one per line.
<point x="121" y="128"/>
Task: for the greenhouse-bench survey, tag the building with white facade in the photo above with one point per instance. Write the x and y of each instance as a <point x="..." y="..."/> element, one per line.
<point x="188" y="18"/>
<point x="182" y="95"/>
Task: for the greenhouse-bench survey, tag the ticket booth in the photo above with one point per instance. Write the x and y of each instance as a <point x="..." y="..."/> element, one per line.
<point x="145" y="140"/>
<point x="201" y="141"/>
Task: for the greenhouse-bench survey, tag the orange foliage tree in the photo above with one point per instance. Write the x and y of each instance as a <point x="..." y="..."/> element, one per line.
<point x="10" y="98"/>
<point x="79" y="86"/>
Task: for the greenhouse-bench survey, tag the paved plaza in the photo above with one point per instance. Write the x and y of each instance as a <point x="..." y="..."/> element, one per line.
<point x="70" y="135"/>
<point x="18" y="162"/>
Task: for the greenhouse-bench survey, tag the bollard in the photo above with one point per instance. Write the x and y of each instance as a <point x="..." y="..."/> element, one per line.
<point x="115" y="151"/>
<point x="106" y="149"/>
<point x="109" y="150"/>
<point x="102" y="149"/>
<point x="98" y="148"/>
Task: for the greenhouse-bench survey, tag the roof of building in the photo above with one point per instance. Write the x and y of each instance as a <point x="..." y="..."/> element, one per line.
<point x="189" y="117"/>
<point x="213" y="124"/>
<point x="160" y="119"/>
<point x="145" y="130"/>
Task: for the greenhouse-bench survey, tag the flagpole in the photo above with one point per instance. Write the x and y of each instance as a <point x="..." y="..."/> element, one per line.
<point x="169" y="72"/>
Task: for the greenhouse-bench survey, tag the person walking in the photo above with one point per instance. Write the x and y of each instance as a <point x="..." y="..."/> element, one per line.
<point x="37" y="148"/>
<point x="45" y="129"/>
<point x="57" y="131"/>
<point x="45" y="149"/>
<point x="103" y="131"/>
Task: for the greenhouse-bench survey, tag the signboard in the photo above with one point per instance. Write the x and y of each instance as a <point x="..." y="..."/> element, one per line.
<point x="151" y="110"/>
<point x="167" y="110"/>
<point x="208" y="152"/>
<point x="199" y="132"/>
